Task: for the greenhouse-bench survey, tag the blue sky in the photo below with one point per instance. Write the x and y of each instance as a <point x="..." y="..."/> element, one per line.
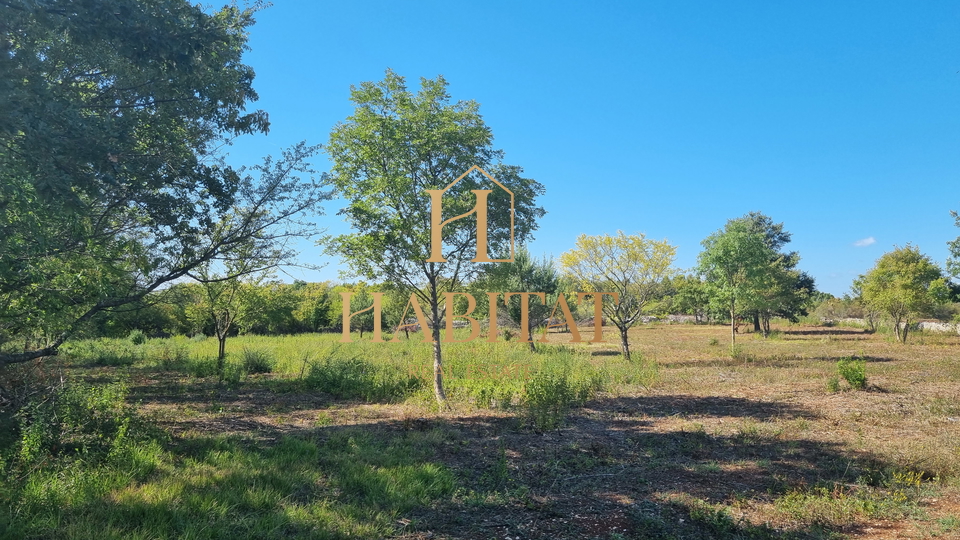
<point x="667" y="118"/>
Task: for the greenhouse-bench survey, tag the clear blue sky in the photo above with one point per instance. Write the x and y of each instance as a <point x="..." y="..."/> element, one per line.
<point x="841" y="120"/>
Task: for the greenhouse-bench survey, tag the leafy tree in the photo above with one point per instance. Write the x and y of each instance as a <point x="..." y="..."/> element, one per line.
<point x="953" y="262"/>
<point x="690" y="296"/>
<point x="312" y="312"/>
<point x="228" y="291"/>
<point x="111" y="184"/>
<point x="396" y="145"/>
<point x="635" y="268"/>
<point x="904" y="284"/>
<point x="736" y="264"/>
<point x="526" y="274"/>
<point x="787" y="288"/>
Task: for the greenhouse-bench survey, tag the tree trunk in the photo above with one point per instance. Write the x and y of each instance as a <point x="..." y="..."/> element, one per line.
<point x="906" y="328"/>
<point x="437" y="352"/>
<point x="756" y="323"/>
<point x="896" y="329"/>
<point x="221" y="354"/>
<point x="733" y="323"/>
<point x="533" y="346"/>
<point x="625" y="343"/>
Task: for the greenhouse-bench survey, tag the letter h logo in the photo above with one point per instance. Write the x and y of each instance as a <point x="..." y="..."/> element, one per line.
<point x="437" y="223"/>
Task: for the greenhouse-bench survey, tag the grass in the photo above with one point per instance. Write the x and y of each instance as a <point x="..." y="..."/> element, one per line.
<point x="310" y="438"/>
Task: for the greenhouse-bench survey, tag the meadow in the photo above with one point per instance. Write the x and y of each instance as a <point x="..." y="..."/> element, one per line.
<point x="814" y="432"/>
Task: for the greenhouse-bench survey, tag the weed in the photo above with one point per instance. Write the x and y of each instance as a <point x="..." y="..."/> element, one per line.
<point x="854" y="372"/>
<point x="257" y="360"/>
<point x="833" y="384"/>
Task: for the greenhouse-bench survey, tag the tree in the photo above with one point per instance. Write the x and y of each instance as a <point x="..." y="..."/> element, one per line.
<point x="635" y="268"/>
<point x="111" y="182"/>
<point x="787" y="288"/>
<point x="526" y="274"/>
<point x="904" y="284"/>
<point x="224" y="299"/>
<point x="953" y="262"/>
<point x="690" y="296"/>
<point x="395" y="146"/>
<point x="735" y="263"/>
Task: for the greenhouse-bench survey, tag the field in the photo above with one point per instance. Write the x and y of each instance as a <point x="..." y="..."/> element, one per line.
<point x="309" y="438"/>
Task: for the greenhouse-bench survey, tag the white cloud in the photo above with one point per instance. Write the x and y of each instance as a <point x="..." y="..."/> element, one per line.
<point x="865" y="242"/>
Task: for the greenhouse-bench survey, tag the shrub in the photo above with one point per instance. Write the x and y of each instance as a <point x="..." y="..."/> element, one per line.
<point x="833" y="384"/>
<point x="170" y="355"/>
<point x="354" y="378"/>
<point x="202" y="366"/>
<point x="854" y="372"/>
<point x="550" y="395"/>
<point x="105" y="352"/>
<point x="257" y="360"/>
<point x="137" y="337"/>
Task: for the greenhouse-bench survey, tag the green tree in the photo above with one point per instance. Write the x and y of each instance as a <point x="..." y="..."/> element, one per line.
<point x="526" y="274"/>
<point x="690" y="296"/>
<point x="637" y="269"/>
<point x="953" y="262"/>
<point x="787" y="288"/>
<point x="111" y="185"/>
<point x="736" y="264"/>
<point x="396" y="145"/>
<point x="904" y="284"/>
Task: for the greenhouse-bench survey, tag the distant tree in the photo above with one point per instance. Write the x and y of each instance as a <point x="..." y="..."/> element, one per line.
<point x="226" y="292"/>
<point x="736" y="265"/>
<point x="788" y="288"/>
<point x="526" y="274"/>
<point x="953" y="262"/>
<point x="396" y="145"/>
<point x="904" y="284"/>
<point x="312" y="312"/>
<point x="635" y="268"/>
<point x="690" y="297"/>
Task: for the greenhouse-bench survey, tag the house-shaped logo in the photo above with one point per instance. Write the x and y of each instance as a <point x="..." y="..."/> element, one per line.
<point x="437" y="223"/>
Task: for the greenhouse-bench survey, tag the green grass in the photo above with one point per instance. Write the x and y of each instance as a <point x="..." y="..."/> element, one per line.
<point x="350" y="485"/>
<point x="331" y="440"/>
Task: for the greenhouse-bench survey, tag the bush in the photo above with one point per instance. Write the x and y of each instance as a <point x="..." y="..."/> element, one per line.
<point x="549" y="397"/>
<point x="170" y="355"/>
<point x="105" y="352"/>
<point x="854" y="372"/>
<point x="355" y="378"/>
<point x="257" y="360"/>
<point x="202" y="366"/>
<point x="137" y="337"/>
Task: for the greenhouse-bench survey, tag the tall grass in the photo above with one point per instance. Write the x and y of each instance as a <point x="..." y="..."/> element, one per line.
<point x="480" y="373"/>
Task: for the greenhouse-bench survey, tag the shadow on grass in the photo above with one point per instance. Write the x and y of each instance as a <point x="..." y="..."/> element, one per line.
<point x="617" y="468"/>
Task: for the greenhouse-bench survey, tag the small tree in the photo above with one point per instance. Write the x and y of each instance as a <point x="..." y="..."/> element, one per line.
<point x="904" y="284"/>
<point x="736" y="264"/>
<point x="394" y="147"/>
<point x="635" y="268"/>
